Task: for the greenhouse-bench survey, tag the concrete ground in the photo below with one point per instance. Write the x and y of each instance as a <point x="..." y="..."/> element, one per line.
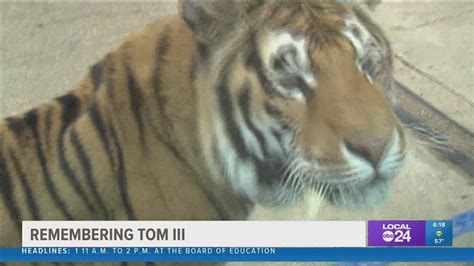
<point x="47" y="47"/>
<point x="433" y="42"/>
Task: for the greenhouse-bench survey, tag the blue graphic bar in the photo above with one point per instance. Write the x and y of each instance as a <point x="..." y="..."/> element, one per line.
<point x="236" y="254"/>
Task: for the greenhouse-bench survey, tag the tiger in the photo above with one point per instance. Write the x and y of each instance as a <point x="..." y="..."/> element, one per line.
<point x="253" y="102"/>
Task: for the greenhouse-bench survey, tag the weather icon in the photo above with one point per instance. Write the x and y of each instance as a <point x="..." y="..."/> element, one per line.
<point x="439" y="233"/>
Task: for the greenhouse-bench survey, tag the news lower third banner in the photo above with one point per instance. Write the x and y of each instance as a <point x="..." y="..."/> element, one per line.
<point x="219" y="241"/>
<point x="194" y="234"/>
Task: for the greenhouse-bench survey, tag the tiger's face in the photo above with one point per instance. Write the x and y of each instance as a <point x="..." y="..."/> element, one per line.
<point x="294" y="97"/>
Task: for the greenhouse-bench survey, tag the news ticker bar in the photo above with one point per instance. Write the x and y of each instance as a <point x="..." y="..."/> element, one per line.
<point x="236" y="233"/>
<point x="233" y="254"/>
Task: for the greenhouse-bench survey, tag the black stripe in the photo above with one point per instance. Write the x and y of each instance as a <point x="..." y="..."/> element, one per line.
<point x="174" y="150"/>
<point x="270" y="171"/>
<point x="96" y="73"/>
<point x="136" y="101"/>
<point x="163" y="44"/>
<point x="278" y="135"/>
<point x="30" y="199"/>
<point x="7" y="191"/>
<point x="70" y="111"/>
<point x="161" y="100"/>
<point x="203" y="50"/>
<point x="72" y="177"/>
<point x="254" y="62"/>
<point x="88" y="170"/>
<point x="192" y="69"/>
<point x="100" y="127"/>
<point x="31" y="119"/>
<point x="227" y="110"/>
<point x="15" y="124"/>
<point x="110" y="72"/>
<point x="244" y="102"/>
<point x="122" y="177"/>
<point x="279" y="116"/>
<point x="273" y="111"/>
<point x="302" y="86"/>
<point x="161" y="50"/>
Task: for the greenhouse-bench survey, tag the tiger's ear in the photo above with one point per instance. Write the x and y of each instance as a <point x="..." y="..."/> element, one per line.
<point x="204" y="18"/>
<point x="209" y="20"/>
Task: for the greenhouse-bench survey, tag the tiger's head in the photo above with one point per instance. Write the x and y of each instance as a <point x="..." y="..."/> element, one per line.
<point x="295" y="95"/>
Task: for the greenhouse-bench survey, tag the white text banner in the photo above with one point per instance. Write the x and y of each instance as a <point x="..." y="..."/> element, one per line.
<point x="194" y="234"/>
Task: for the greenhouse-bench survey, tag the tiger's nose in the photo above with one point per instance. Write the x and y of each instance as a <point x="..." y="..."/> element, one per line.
<point x="370" y="149"/>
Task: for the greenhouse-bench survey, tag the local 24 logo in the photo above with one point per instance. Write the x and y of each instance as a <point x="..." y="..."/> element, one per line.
<point x="399" y="233"/>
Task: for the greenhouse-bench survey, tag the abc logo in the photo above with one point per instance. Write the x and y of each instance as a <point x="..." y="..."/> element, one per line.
<point x="388" y="236"/>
